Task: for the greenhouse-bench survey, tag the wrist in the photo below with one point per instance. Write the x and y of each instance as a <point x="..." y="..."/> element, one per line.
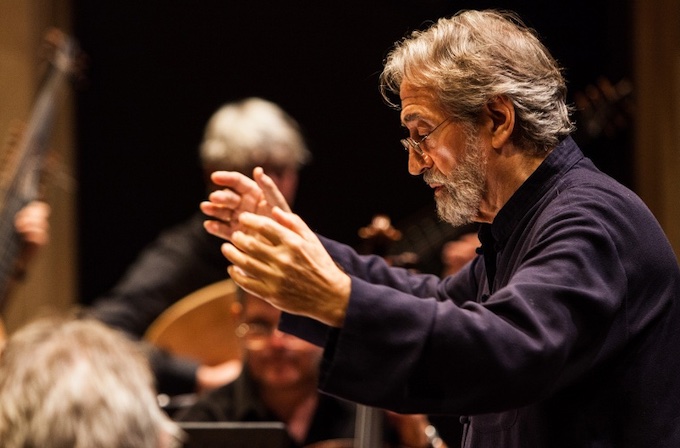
<point x="338" y="304"/>
<point x="431" y="438"/>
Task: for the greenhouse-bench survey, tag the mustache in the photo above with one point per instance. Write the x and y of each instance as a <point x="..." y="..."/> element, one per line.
<point x="434" y="177"/>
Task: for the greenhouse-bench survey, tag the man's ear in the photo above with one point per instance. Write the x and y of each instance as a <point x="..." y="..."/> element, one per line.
<point x="501" y="112"/>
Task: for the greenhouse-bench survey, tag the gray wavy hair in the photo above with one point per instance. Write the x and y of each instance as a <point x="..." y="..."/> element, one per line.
<point x="475" y="56"/>
<point x="251" y="132"/>
<point x="77" y="383"/>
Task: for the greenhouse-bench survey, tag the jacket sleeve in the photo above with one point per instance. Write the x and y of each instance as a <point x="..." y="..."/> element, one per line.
<point x="365" y="267"/>
<point x="420" y="344"/>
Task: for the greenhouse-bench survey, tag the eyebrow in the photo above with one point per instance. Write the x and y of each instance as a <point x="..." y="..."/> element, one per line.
<point x="411" y="117"/>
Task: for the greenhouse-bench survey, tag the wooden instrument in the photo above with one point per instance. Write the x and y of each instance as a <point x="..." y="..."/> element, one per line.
<point x="603" y="109"/>
<point x="200" y="326"/>
<point x="377" y="237"/>
<point x="22" y="159"/>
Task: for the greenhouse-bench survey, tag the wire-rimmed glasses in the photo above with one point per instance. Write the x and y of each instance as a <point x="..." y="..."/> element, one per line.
<point x="409" y="143"/>
<point x="257" y="336"/>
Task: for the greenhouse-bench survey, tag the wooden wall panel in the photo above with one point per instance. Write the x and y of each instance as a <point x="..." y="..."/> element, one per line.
<point x="51" y="280"/>
<point x="657" y="95"/>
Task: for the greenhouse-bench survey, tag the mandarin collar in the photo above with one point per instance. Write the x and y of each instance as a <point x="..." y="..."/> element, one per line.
<point x="560" y="160"/>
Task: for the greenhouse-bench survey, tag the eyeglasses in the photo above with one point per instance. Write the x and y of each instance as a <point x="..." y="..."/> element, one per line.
<point x="409" y="143"/>
<point x="257" y="335"/>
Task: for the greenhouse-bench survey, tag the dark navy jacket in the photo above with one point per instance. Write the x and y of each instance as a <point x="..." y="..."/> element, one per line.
<point x="576" y="344"/>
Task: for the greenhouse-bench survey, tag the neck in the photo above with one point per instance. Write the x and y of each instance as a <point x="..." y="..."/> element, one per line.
<point x="507" y="171"/>
<point x="294" y="407"/>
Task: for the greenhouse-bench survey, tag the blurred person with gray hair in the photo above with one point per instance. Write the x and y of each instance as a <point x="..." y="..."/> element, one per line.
<point x="239" y="136"/>
<point x="77" y="383"/>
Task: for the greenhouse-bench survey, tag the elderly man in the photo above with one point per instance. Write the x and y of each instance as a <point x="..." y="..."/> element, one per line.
<point x="563" y="332"/>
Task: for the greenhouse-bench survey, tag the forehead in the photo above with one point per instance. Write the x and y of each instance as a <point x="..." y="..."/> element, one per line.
<point x="416" y="103"/>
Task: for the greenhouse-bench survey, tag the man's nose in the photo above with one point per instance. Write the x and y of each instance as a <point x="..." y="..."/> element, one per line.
<point x="277" y="337"/>
<point x="417" y="164"/>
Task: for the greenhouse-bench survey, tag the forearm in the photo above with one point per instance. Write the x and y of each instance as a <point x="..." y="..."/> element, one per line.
<point x="375" y="269"/>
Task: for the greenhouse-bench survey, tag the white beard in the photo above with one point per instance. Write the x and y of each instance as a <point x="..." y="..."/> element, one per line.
<point x="464" y="186"/>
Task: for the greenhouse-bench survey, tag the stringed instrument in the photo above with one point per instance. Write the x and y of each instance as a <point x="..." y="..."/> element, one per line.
<point x="377" y="237"/>
<point x="380" y="238"/>
<point x="200" y="326"/>
<point x="23" y="157"/>
<point x="603" y="109"/>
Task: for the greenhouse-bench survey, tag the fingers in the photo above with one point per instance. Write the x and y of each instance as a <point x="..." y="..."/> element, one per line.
<point x="221" y="226"/>
<point x="254" y="255"/>
<point x="246" y="189"/>
<point x="272" y="194"/>
<point x="35" y="211"/>
<point x="257" y="234"/>
<point x="234" y="180"/>
<point x="225" y="198"/>
<point x="270" y="230"/>
<point x="217" y="211"/>
<point x="218" y="228"/>
<point x="241" y="257"/>
<point x="244" y="195"/>
<point x="292" y="222"/>
<point x="250" y="281"/>
<point x="32" y="223"/>
<point x="247" y="282"/>
<point x="241" y="195"/>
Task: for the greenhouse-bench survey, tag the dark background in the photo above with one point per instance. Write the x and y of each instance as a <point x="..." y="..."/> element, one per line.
<point x="157" y="70"/>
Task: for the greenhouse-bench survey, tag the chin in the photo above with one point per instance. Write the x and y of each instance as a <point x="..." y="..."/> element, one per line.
<point x="456" y="211"/>
<point x="282" y="377"/>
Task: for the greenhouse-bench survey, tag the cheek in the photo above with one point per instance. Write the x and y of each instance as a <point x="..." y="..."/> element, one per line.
<point x="443" y="160"/>
<point x="313" y="358"/>
<point x="256" y="361"/>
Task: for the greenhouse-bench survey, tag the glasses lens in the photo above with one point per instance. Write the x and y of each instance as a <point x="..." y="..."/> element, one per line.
<point x="406" y="144"/>
<point x="409" y="144"/>
<point x="254" y="329"/>
<point x="257" y="336"/>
